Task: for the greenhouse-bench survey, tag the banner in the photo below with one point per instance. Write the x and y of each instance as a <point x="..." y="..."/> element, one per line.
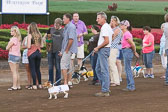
<point x="24" y="6"/>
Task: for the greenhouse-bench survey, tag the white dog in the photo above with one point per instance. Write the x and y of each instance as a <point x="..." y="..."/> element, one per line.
<point x="55" y="90"/>
<point x="137" y="70"/>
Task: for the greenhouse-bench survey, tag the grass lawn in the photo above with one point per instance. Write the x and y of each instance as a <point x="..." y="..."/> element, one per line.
<point x="141" y="7"/>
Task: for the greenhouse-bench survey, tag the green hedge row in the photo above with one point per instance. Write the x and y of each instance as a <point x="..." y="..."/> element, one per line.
<point x="136" y="19"/>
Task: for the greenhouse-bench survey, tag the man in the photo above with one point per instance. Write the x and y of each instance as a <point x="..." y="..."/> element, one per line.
<point x="81" y="31"/>
<point x="103" y="50"/>
<point x="69" y="46"/>
<point x="54" y="42"/>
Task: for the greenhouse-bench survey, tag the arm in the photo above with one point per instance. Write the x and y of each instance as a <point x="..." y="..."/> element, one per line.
<point x="148" y="45"/>
<point x="69" y="45"/>
<point x="10" y="44"/>
<point x="130" y="41"/>
<point x="29" y="41"/>
<point x="23" y="44"/>
<point x="116" y="32"/>
<point x="106" y="42"/>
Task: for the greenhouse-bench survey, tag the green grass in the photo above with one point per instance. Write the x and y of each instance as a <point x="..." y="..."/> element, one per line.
<point x="141" y="7"/>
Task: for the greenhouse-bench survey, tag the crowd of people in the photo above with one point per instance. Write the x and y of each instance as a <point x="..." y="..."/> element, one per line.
<point x="110" y="43"/>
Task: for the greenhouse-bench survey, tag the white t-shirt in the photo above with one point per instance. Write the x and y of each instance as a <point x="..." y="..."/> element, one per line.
<point x="106" y="30"/>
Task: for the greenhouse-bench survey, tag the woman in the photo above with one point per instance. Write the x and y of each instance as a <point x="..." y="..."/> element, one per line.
<point x="162" y="51"/>
<point x="14" y="56"/>
<point x="166" y="44"/>
<point x="93" y="58"/>
<point x="34" y="45"/>
<point x="128" y="50"/>
<point x="148" y="51"/>
<point x="116" y="39"/>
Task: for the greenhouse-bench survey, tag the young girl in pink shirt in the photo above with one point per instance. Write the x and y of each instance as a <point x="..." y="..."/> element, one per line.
<point x="14" y="56"/>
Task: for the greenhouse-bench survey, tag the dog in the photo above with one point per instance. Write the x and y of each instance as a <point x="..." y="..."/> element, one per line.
<point x="55" y="90"/>
<point x="137" y="70"/>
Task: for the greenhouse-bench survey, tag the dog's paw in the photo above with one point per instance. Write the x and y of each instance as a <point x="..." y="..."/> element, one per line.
<point x="49" y="98"/>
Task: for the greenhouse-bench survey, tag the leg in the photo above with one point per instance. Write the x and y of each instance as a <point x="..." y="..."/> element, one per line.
<point x="93" y="63"/>
<point x="50" y="97"/>
<point x="29" y="78"/>
<point x="128" y="55"/>
<point x="166" y="79"/>
<point x="119" y="67"/>
<point x="50" y="65"/>
<point x="58" y="68"/>
<point x="71" y="67"/>
<point x="18" y="75"/>
<point x="32" y="67"/>
<point x="66" y="94"/>
<point x="37" y="66"/>
<point x="14" y="74"/>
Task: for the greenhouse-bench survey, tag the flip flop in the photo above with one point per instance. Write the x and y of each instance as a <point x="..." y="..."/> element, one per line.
<point x="11" y="89"/>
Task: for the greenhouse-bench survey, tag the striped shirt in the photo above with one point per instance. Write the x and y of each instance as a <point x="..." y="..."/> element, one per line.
<point x="117" y="41"/>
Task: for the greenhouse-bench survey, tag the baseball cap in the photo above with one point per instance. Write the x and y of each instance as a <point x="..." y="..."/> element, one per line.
<point x="125" y="22"/>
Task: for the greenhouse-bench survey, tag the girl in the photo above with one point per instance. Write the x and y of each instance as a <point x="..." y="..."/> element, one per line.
<point x="14" y="57"/>
<point x="34" y="45"/>
<point x="128" y="49"/>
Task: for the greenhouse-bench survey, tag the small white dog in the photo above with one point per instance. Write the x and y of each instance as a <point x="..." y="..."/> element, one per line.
<point x="55" y="90"/>
<point x="137" y="70"/>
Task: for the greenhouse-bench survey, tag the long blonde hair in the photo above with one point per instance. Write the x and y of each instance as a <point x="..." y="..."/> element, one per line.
<point x="34" y="31"/>
<point x="17" y="31"/>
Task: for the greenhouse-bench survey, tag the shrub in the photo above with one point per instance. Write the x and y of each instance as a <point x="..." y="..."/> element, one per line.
<point x="113" y="7"/>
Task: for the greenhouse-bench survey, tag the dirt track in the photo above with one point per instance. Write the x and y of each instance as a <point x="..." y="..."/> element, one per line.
<point x="150" y="96"/>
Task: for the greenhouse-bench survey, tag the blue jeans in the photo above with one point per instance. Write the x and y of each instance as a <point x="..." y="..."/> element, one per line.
<point x="34" y="63"/>
<point x="93" y="61"/>
<point x="166" y="79"/>
<point x="54" y="60"/>
<point x="102" y="68"/>
<point x="128" y="55"/>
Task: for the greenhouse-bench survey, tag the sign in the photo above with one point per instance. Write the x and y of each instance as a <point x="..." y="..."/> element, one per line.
<point x="24" y="6"/>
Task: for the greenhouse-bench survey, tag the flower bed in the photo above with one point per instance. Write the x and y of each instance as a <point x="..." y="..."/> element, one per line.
<point x="3" y="54"/>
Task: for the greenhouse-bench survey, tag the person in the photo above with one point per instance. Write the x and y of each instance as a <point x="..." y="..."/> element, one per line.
<point x="81" y="31"/>
<point x="54" y="59"/>
<point x="116" y="39"/>
<point x="14" y="57"/>
<point x="162" y="51"/>
<point x="128" y="50"/>
<point x="34" y="45"/>
<point x="166" y="45"/>
<point x="25" y="61"/>
<point x="103" y="50"/>
<point x="69" y="46"/>
<point x="148" y="51"/>
<point x="93" y="58"/>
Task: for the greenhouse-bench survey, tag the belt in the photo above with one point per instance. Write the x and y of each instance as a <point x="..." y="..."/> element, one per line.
<point x="126" y="48"/>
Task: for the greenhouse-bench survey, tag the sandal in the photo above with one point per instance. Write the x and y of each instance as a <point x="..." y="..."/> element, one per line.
<point x="40" y="86"/>
<point x="12" y="88"/>
<point x="30" y="87"/>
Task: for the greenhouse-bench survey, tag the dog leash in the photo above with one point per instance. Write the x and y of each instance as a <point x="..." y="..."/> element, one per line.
<point x="74" y="67"/>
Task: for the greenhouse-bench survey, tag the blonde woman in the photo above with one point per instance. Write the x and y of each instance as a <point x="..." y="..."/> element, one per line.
<point x="116" y="39"/>
<point x="34" y="45"/>
<point x="14" y="57"/>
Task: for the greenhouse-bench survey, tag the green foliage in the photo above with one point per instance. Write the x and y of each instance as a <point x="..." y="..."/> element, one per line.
<point x="3" y="44"/>
<point x="138" y="40"/>
<point x="4" y="38"/>
<point x="157" y="48"/>
<point x="88" y="36"/>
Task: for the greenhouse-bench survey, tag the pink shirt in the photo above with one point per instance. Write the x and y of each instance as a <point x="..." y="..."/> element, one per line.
<point x="15" y="49"/>
<point x="147" y="39"/>
<point x="127" y="35"/>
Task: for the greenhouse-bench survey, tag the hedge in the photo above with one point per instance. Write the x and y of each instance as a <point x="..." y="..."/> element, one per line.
<point x="136" y="19"/>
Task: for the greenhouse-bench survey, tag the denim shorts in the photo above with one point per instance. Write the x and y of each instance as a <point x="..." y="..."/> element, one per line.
<point x="120" y="55"/>
<point x="14" y="59"/>
<point x="65" y="60"/>
<point x="147" y="58"/>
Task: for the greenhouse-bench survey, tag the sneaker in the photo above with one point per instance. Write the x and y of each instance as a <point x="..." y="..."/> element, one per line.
<point x="128" y="90"/>
<point x="146" y="76"/>
<point x="102" y="94"/>
<point x="151" y="76"/>
<point x="70" y="84"/>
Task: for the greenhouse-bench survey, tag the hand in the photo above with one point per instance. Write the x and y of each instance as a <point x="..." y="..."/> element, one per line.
<point x="60" y="54"/>
<point x="80" y="35"/>
<point x="66" y="51"/>
<point x="164" y="54"/>
<point x="136" y="54"/>
<point x="95" y="50"/>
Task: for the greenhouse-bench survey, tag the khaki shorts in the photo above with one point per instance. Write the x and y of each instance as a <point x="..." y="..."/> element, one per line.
<point x="80" y="53"/>
<point x="65" y="60"/>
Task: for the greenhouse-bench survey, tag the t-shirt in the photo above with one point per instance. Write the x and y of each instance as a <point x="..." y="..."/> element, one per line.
<point x="127" y="35"/>
<point x="106" y="30"/>
<point x="15" y="49"/>
<point x="93" y="42"/>
<point x="147" y="39"/>
<point x="57" y="37"/>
